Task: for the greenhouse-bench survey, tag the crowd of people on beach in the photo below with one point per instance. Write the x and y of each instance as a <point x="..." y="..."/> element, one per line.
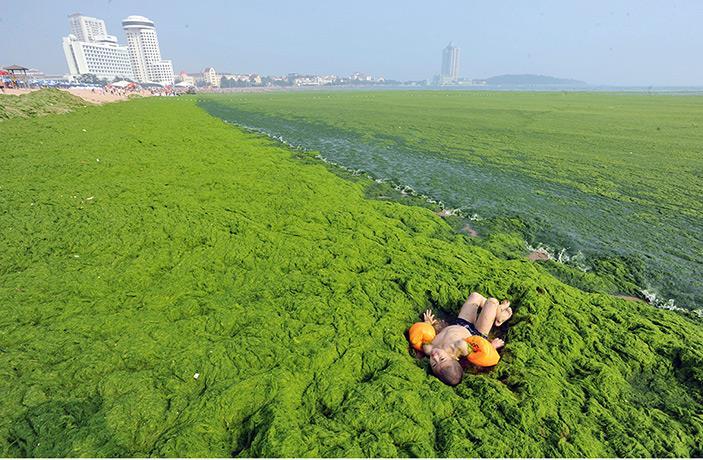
<point x="126" y="91"/>
<point x="106" y="90"/>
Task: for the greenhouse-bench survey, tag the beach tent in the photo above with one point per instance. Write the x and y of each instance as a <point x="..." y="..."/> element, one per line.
<point x="18" y="73"/>
<point x="183" y="84"/>
<point x="121" y="84"/>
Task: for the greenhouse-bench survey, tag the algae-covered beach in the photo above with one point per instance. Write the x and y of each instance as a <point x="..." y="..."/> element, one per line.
<point x="607" y="181"/>
<point x="174" y="285"/>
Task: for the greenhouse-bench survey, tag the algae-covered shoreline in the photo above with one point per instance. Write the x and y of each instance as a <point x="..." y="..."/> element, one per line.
<point x="580" y="173"/>
<point x="134" y="259"/>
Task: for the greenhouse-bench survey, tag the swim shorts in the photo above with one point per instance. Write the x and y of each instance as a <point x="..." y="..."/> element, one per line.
<point x="471" y="327"/>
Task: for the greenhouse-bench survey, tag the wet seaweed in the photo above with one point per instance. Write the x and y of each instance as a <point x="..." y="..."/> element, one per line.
<point x="38" y="103"/>
<point x="583" y="173"/>
<point x="179" y="287"/>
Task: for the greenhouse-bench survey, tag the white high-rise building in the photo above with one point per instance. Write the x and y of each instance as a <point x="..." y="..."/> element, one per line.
<point x="144" y="51"/>
<point x="90" y="50"/>
<point x="450" y="64"/>
<point x="86" y="28"/>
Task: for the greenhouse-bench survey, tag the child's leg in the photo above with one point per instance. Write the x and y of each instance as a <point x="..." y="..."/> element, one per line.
<point x="488" y="316"/>
<point x="469" y="311"/>
<point x="493" y="313"/>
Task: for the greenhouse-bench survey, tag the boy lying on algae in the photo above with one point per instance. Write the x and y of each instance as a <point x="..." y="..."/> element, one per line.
<point x="446" y="345"/>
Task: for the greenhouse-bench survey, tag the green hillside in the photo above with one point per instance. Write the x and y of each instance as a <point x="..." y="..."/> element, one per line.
<point x="147" y="243"/>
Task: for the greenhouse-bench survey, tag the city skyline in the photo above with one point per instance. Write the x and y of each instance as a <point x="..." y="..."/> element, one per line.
<point x="623" y="42"/>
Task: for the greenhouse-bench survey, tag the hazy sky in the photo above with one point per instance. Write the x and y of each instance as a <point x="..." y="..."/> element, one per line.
<point x="638" y="42"/>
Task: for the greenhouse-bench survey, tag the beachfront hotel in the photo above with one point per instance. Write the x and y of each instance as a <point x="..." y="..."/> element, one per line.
<point x="144" y="52"/>
<point x="85" y="28"/>
<point x="90" y="50"/>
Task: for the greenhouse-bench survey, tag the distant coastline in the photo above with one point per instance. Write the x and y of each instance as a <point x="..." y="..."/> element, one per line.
<point x="529" y="80"/>
<point x="669" y="90"/>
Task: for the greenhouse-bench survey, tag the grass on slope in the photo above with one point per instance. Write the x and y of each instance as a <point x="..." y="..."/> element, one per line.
<point x="38" y="103"/>
<point x="145" y="242"/>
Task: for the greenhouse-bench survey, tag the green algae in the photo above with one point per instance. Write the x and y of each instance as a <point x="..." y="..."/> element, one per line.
<point x="134" y="258"/>
<point x="38" y="103"/>
<point x="600" y="175"/>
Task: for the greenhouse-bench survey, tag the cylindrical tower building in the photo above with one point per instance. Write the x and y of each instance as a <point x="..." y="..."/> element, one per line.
<point x="144" y="51"/>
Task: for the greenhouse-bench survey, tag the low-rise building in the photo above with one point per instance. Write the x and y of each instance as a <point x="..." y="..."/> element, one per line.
<point x="328" y="79"/>
<point x="358" y="76"/>
<point x="242" y="79"/>
<point x="184" y="77"/>
<point x="304" y="80"/>
<point x="210" y="77"/>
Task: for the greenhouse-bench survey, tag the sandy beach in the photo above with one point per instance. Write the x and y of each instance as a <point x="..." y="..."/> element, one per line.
<point x="95" y="97"/>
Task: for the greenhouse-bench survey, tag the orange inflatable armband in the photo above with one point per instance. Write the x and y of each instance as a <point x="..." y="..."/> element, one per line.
<point x="483" y="353"/>
<point x="421" y="333"/>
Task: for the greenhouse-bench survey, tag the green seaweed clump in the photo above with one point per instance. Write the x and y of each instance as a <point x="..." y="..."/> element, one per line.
<point x="39" y="103"/>
<point x="178" y="287"/>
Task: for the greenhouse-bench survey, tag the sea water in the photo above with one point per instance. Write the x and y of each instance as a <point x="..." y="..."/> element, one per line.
<point x="567" y="220"/>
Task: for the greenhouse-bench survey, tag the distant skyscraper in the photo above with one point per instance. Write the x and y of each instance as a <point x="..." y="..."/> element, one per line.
<point x="450" y="64"/>
<point x="144" y="51"/>
<point x="90" y="50"/>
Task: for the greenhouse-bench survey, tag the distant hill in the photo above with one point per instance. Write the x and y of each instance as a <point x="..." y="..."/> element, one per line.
<point x="528" y="79"/>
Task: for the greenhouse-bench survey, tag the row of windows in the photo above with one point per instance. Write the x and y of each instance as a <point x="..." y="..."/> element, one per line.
<point x="103" y="54"/>
<point x="108" y="66"/>
<point x="94" y="62"/>
<point x="94" y="59"/>
<point x="107" y="61"/>
<point x="107" y="70"/>
<point x="103" y="50"/>
<point x="124" y="68"/>
<point x="106" y="56"/>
